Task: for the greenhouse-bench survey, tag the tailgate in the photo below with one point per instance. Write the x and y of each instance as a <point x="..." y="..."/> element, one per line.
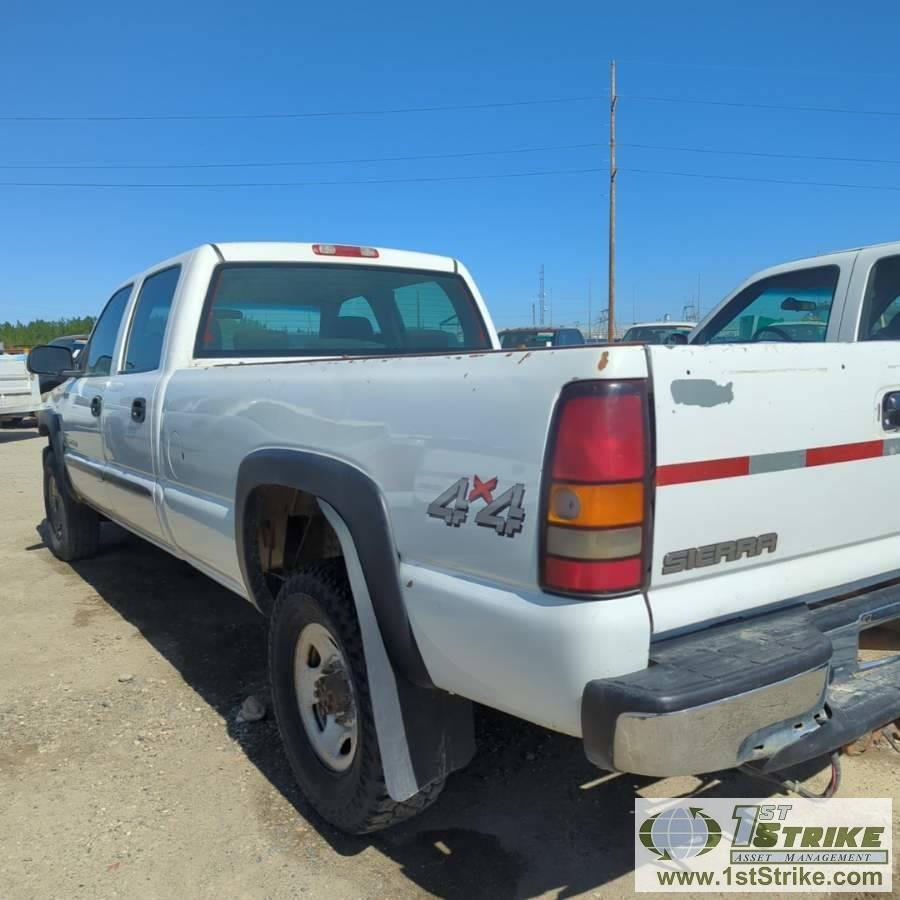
<point x="774" y="476"/>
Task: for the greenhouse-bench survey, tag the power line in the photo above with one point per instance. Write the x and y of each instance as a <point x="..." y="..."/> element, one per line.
<point x="286" y="184"/>
<point x="760" y="154"/>
<point x="329" y="114"/>
<point x="286" y="164"/>
<point x="792" y="68"/>
<point x="832" y="184"/>
<point x="843" y="110"/>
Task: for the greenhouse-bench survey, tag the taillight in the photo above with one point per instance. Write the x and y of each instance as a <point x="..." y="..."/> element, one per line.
<point x="344" y="250"/>
<point x="596" y="498"/>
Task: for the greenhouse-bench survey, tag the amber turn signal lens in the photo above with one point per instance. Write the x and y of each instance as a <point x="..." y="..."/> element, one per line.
<point x="596" y="505"/>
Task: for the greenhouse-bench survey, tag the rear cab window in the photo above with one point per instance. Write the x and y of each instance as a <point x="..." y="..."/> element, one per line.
<point x="794" y="306"/>
<point x="307" y="309"/>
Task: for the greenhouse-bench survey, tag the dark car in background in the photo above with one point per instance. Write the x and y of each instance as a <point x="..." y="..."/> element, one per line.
<point x="528" y="338"/>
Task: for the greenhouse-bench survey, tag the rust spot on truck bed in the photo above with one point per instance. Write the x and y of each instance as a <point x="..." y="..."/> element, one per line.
<point x="604" y="361"/>
<point x="524" y="357"/>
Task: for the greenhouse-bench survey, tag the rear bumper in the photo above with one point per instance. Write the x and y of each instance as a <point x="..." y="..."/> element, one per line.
<point x="779" y="689"/>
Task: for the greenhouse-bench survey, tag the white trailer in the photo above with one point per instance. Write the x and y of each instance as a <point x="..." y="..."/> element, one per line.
<point x="20" y="393"/>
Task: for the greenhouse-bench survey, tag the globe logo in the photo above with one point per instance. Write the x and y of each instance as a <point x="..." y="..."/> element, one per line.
<point x="680" y="833"/>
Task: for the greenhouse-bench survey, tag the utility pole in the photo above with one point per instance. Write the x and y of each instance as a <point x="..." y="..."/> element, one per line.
<point x="551" y="306"/>
<point x="532" y="316"/>
<point x="541" y="294"/>
<point x="589" y="309"/>
<point x="611" y="313"/>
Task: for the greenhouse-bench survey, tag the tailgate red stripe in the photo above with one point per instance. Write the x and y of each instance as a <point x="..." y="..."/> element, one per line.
<point x="708" y="470"/>
<point x="823" y="456"/>
<point x="733" y="467"/>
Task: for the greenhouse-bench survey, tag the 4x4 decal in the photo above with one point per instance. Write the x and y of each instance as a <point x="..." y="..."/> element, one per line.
<point x="505" y="514"/>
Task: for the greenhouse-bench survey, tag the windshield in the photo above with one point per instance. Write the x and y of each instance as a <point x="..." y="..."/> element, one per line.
<point x="653" y="334"/>
<point x="526" y="338"/>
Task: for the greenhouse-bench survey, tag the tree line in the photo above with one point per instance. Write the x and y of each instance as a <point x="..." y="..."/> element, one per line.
<point x="41" y="331"/>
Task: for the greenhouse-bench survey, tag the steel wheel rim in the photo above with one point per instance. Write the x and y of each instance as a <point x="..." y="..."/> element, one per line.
<point x="326" y="699"/>
<point x="54" y="502"/>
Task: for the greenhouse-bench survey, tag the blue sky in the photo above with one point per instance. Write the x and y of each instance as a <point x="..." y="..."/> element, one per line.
<point x="63" y="249"/>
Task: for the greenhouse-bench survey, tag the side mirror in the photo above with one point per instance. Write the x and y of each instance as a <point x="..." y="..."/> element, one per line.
<point x="49" y="359"/>
<point x="677" y="337"/>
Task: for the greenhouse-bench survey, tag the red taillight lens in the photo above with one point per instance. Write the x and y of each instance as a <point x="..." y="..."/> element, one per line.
<point x="600" y="438"/>
<point x="596" y="496"/>
<point x="594" y="577"/>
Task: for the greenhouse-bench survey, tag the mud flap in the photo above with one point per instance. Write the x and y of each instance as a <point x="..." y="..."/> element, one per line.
<point x="423" y="734"/>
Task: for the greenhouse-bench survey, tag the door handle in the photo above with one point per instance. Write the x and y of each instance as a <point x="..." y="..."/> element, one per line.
<point x="138" y="409"/>
<point x="96" y="405"/>
<point x="890" y="411"/>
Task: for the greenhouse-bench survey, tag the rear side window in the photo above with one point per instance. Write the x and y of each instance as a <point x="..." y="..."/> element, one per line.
<point x="334" y="310"/>
<point x="148" y="324"/>
<point x="881" y="303"/>
<point x="793" y="307"/>
<point x="103" y="338"/>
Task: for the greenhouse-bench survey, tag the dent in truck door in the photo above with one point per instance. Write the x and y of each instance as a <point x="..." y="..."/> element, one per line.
<point x="129" y="414"/>
<point x="82" y="405"/>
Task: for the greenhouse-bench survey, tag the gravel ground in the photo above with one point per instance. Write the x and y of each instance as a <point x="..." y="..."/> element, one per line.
<point x="124" y="771"/>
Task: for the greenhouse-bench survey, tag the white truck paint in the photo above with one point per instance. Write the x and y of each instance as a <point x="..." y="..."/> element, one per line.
<point x="776" y="421"/>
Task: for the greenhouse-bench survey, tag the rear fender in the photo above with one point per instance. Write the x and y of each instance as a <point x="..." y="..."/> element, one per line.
<point x="423" y="733"/>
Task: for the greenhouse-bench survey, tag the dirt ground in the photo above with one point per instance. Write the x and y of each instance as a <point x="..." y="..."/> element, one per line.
<point x="123" y="771"/>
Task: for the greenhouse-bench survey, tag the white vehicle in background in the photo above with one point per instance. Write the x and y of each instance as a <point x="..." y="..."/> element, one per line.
<point x="656" y="332"/>
<point x="668" y="552"/>
<point x="20" y="394"/>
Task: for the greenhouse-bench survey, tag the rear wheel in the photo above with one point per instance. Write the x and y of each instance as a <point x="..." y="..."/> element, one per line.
<point x="73" y="529"/>
<point x="321" y="699"/>
<point x="11" y="421"/>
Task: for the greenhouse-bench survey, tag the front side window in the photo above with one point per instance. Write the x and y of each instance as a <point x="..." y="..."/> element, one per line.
<point x="102" y="343"/>
<point x="795" y="306"/>
<point x="148" y="323"/>
<point x="261" y="309"/>
<point x="881" y="304"/>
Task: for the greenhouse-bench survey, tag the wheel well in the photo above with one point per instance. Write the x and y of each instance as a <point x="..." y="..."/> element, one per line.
<point x="284" y="528"/>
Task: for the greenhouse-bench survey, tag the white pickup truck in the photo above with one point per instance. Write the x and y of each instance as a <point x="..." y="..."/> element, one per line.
<point x="668" y="552"/>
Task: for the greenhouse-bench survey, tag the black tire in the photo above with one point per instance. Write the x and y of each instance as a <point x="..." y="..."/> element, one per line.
<point x="12" y="421"/>
<point x="73" y="529"/>
<point x="356" y="800"/>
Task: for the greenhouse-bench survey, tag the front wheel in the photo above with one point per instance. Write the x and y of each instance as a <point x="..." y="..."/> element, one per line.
<point x="320" y="695"/>
<point x="73" y="529"/>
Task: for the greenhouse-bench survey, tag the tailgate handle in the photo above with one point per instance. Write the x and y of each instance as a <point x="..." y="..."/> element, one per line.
<point x="96" y="405"/>
<point x="138" y="409"/>
<point x="890" y="411"/>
